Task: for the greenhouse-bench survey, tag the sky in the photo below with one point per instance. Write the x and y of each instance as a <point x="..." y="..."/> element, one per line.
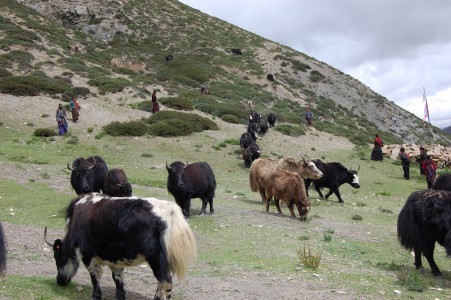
<point x="398" y="48"/>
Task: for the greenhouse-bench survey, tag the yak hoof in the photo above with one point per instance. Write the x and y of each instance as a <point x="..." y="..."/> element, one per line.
<point x="341" y="201"/>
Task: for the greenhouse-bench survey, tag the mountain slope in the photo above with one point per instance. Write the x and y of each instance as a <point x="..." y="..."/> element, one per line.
<point x="137" y="32"/>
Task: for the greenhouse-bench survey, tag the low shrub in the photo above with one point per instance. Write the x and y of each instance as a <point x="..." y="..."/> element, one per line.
<point x="109" y="85"/>
<point x="179" y="103"/>
<point x="291" y="130"/>
<point x="132" y="128"/>
<point x="230" y="119"/>
<point x="44" y="132"/>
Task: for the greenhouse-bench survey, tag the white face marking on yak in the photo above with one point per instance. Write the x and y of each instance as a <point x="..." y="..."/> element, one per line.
<point x="355" y="181"/>
<point x="317" y="171"/>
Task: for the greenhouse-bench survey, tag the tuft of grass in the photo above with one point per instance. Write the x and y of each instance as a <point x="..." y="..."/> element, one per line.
<point x="412" y="280"/>
<point x="308" y="258"/>
<point x="357" y="217"/>
<point x="327" y="237"/>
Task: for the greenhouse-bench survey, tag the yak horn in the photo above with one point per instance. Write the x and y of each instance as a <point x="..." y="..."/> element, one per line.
<point x="69" y="167"/>
<point x="45" y="238"/>
<point x="93" y="164"/>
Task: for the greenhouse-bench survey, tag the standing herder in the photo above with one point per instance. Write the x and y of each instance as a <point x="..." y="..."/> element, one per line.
<point x="73" y="106"/>
<point x="308" y="116"/>
<point x="155" y="104"/>
<point x="61" y="119"/>
<point x="405" y="162"/>
<point x="429" y="169"/>
<point x="421" y="158"/>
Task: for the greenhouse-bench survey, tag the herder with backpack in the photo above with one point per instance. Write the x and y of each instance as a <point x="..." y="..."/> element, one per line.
<point x="429" y="168"/>
<point x="405" y="161"/>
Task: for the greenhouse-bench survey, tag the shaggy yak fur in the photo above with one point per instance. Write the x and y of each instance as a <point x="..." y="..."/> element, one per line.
<point x="289" y="188"/>
<point x="424" y="220"/>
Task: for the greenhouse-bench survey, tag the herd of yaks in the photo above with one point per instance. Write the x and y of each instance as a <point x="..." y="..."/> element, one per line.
<point x="118" y="230"/>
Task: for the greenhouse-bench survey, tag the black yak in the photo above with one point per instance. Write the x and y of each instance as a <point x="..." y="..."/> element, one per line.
<point x="424" y="220"/>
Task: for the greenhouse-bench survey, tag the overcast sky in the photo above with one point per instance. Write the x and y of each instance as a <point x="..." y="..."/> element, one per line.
<point x="396" y="47"/>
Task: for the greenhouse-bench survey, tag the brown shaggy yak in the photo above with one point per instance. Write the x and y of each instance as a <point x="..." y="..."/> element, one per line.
<point x="262" y="169"/>
<point x="290" y="188"/>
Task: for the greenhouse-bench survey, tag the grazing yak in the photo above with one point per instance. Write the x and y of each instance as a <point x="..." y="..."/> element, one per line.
<point x="271" y="119"/>
<point x="236" y="51"/>
<point x="270" y="77"/>
<point x="424" y="220"/>
<point x="116" y="184"/>
<point x="262" y="169"/>
<point x="443" y="182"/>
<point x="335" y="174"/>
<point x="195" y="180"/>
<point x="251" y="153"/>
<point x="88" y="175"/>
<point x="247" y="138"/>
<point x="169" y="57"/>
<point x="288" y="187"/>
<point x="2" y="251"/>
<point x="124" y="232"/>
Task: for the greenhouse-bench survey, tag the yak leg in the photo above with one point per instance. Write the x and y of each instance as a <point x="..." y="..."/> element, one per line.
<point x="204" y="206"/>
<point x="119" y="281"/>
<point x="210" y="202"/>
<point x="290" y="207"/>
<point x="263" y="194"/>
<point x="335" y="191"/>
<point x="185" y="204"/>
<point x="277" y="201"/>
<point x="95" y="270"/>
<point x="418" y="263"/>
<point x="427" y="248"/>
<point x="318" y="189"/>
<point x="160" y="268"/>
<point x="307" y="182"/>
<point x="267" y="201"/>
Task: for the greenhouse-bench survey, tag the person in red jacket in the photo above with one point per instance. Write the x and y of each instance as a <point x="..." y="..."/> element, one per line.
<point x="429" y="168"/>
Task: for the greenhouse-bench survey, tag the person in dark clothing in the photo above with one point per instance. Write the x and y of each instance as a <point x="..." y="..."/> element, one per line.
<point x="405" y="162"/>
<point x="421" y="158"/>
<point x="376" y="154"/>
<point x="429" y="169"/>
<point x="308" y="117"/>
<point x="155" y="104"/>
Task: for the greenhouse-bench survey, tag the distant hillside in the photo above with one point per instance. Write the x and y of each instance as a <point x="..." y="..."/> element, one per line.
<point x="447" y="130"/>
<point x="99" y="47"/>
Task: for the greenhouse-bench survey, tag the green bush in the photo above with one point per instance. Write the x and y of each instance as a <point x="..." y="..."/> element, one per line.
<point x="179" y="103"/>
<point x="316" y="76"/>
<point x="109" y="85"/>
<point x="230" y="119"/>
<point x="196" y="122"/>
<point x="171" y="127"/>
<point x="132" y="128"/>
<point x="44" y="132"/>
<point x="291" y="130"/>
<point x="32" y="85"/>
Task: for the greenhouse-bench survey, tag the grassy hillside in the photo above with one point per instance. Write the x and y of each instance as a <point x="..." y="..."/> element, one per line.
<point x="145" y="32"/>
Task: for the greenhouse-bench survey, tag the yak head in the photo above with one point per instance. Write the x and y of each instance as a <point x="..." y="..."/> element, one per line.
<point x="305" y="208"/>
<point x="353" y="176"/>
<point x="311" y="170"/>
<point x="81" y="175"/>
<point x="175" y="175"/>
<point x="67" y="264"/>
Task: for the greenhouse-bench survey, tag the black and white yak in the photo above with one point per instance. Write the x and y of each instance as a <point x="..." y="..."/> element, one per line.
<point x="124" y="232"/>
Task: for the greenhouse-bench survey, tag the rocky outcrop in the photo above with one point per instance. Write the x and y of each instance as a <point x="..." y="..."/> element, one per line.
<point x="96" y="18"/>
